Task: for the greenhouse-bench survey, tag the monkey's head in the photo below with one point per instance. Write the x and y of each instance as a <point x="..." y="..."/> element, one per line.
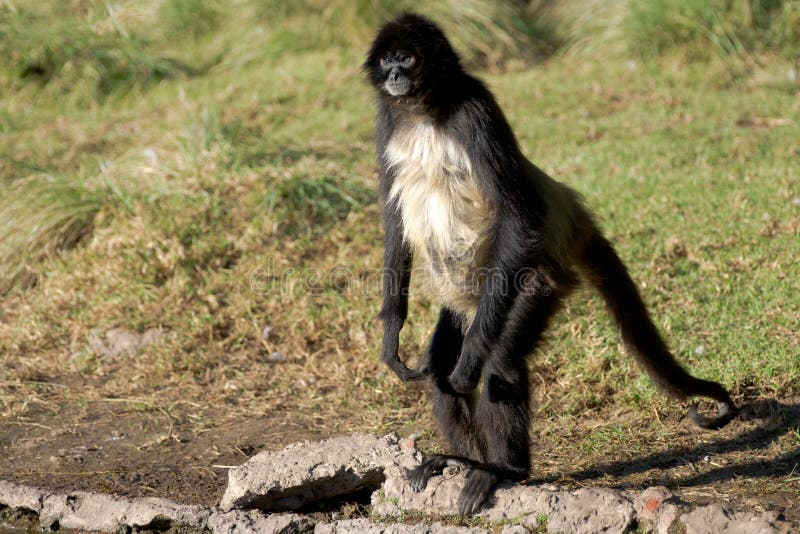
<point x="410" y="57"/>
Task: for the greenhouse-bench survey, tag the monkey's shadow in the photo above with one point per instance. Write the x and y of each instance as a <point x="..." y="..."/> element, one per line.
<point x="778" y="419"/>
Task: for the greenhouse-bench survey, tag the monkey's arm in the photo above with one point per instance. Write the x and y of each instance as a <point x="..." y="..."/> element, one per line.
<point x="499" y="293"/>
<point x="397" y="258"/>
<point x="506" y="178"/>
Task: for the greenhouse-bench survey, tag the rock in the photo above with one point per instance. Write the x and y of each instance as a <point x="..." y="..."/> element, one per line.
<point x="666" y="518"/>
<point x="265" y="332"/>
<point x="310" y="471"/>
<point x="93" y="511"/>
<point x="652" y="506"/>
<point x="255" y="522"/>
<point x="648" y="503"/>
<point x="121" y="342"/>
<point x="410" y="442"/>
<point x="578" y="511"/>
<point x="365" y="526"/>
<point x="19" y="496"/>
<point x="713" y="519"/>
<point x="151" y="156"/>
<point x="589" y="510"/>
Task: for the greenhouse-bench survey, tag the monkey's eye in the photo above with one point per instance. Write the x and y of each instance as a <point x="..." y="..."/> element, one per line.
<point x="386" y="61"/>
<point x="407" y="60"/>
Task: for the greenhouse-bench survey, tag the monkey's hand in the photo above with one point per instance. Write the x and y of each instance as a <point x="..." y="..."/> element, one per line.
<point x="464" y="378"/>
<point x="402" y="371"/>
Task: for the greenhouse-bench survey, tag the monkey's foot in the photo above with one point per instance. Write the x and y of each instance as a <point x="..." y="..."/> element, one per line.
<point x="433" y="465"/>
<point x="481" y="479"/>
<point x="476" y="490"/>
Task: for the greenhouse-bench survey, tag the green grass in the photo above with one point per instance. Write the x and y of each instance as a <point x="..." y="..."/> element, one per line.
<point x="138" y="193"/>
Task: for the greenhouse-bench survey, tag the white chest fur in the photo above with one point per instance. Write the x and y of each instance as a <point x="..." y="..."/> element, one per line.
<point x="445" y="215"/>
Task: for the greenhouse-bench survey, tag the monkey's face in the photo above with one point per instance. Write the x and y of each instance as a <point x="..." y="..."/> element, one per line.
<point x="397" y="70"/>
<point x="409" y="58"/>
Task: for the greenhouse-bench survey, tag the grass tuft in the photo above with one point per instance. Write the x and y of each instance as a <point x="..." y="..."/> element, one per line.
<point x="697" y="29"/>
<point x="587" y="26"/>
<point x="485" y="32"/>
<point x="193" y="18"/>
<point x="41" y="215"/>
<point x="68" y="54"/>
<point x="735" y="29"/>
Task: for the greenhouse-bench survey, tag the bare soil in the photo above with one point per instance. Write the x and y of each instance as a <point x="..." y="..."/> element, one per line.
<point x="118" y="448"/>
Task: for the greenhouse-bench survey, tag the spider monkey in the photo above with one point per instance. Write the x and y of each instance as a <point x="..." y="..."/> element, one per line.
<point x="502" y="244"/>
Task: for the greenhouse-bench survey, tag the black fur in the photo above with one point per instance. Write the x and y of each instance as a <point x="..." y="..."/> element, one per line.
<point x="490" y="436"/>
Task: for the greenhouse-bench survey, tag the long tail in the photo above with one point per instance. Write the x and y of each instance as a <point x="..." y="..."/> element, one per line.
<point x="608" y="274"/>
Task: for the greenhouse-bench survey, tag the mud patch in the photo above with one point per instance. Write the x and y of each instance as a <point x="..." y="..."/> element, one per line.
<point x="134" y="453"/>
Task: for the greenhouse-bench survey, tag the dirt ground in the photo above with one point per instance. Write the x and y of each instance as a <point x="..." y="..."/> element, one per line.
<point x="754" y="463"/>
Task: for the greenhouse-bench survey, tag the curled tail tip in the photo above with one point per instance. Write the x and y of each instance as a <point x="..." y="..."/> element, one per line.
<point x="726" y="411"/>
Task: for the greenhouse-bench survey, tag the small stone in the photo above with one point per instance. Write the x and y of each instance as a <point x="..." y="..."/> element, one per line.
<point x="151" y="156"/>
<point x="648" y="503"/>
<point x="700" y="350"/>
<point x="265" y="332"/>
<point x="121" y="342"/>
<point x="796" y="201"/>
<point x="276" y="357"/>
<point x="151" y="335"/>
<point x="409" y="443"/>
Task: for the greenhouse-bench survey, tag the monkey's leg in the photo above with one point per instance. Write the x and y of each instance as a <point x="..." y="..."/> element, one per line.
<point x="502" y="413"/>
<point x="452" y="410"/>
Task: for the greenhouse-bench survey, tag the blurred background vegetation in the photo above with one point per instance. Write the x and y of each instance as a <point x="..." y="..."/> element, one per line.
<point x="154" y="154"/>
<point x="85" y="53"/>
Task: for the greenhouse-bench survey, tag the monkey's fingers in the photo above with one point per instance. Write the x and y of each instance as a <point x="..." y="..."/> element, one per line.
<point x="404" y="373"/>
<point x="726" y="411"/>
<point x="418" y="374"/>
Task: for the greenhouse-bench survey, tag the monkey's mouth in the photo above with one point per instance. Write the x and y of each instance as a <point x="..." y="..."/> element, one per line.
<point x="399" y="87"/>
